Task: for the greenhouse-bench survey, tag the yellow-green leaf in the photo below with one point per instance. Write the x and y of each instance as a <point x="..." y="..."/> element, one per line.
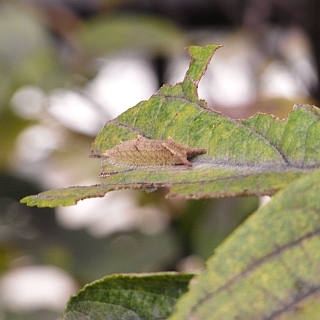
<point x="269" y="268"/>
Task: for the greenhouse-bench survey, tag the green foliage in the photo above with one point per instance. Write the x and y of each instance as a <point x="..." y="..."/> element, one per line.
<point x="257" y="156"/>
<point x="269" y="265"/>
<point x="136" y="31"/>
<point x="128" y="297"/>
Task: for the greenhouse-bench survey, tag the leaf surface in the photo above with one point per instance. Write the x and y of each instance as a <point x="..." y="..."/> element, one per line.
<point x="269" y="267"/>
<point x="256" y="156"/>
<point x="128" y="297"/>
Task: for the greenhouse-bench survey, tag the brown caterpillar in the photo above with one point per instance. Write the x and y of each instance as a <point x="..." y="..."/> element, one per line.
<point x="148" y="152"/>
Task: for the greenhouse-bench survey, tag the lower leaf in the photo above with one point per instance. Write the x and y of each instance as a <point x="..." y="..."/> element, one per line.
<point x="146" y="296"/>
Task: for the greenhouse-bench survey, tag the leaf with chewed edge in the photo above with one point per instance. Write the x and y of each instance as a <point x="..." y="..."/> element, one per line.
<point x="255" y="156"/>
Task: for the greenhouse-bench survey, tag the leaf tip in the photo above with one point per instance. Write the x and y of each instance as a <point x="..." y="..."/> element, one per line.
<point x="212" y="47"/>
<point x="25" y="200"/>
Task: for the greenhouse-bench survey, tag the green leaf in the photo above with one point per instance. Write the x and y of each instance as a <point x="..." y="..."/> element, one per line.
<point x="269" y="267"/>
<point x="257" y="156"/>
<point x="128" y="297"/>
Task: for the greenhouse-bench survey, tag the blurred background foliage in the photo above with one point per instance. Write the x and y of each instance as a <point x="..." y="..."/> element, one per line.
<point x="68" y="66"/>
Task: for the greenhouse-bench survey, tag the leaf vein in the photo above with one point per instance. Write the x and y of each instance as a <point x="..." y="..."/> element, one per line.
<point x="254" y="266"/>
